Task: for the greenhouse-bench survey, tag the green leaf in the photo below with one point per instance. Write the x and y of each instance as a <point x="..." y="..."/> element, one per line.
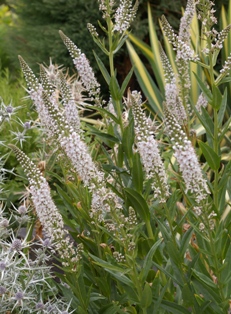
<point x="225" y="129"/>
<point x="222" y="109"/>
<point x="205" y="120"/>
<point x="214" y="57"/>
<point x="225" y="80"/>
<point x="146" y="297"/>
<point x="126" y="81"/>
<point x="128" y="140"/>
<point x="207" y="93"/>
<point x="156" y="59"/>
<point x="208" y="122"/>
<point x="173" y="307"/>
<point x="168" y="274"/>
<point x="211" y="157"/>
<point x="217" y="98"/>
<point x="138" y="203"/>
<point x="173" y="253"/>
<point x="208" y="293"/>
<point x="66" y="200"/>
<point x="148" y="260"/>
<point x="114" y="88"/>
<point x="203" y="278"/>
<point x="105" y="137"/>
<point x="187" y="295"/>
<point x="119" y="44"/>
<point x="225" y="175"/>
<point x="226" y="271"/>
<point x="102" y="68"/>
<point x="103" y="112"/>
<point x="116" y="271"/>
<point x="137" y="173"/>
<point x="185" y="241"/>
<point x="110" y="309"/>
<point x="147" y="84"/>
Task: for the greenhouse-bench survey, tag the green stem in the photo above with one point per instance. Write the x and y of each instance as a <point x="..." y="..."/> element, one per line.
<point x="110" y="43"/>
<point x="216" y="139"/>
<point x="112" y="69"/>
<point x="216" y="150"/>
<point x="216" y="263"/>
<point x="149" y="229"/>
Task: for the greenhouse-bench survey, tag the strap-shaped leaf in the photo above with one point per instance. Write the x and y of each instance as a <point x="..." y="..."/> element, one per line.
<point x="147" y="84"/>
<point x="211" y="157"/>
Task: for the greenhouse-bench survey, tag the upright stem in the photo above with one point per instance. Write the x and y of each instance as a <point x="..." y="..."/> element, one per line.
<point x="112" y="69"/>
<point x="215" y="140"/>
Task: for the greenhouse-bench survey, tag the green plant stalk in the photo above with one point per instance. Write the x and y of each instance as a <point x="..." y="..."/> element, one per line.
<point x="149" y="229"/>
<point x="216" y="150"/>
<point x="216" y="178"/>
<point x="184" y="278"/>
<point x="112" y="67"/>
<point x="216" y="138"/>
<point x="217" y="268"/>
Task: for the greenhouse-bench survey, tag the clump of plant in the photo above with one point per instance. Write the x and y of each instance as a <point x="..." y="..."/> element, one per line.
<point x="26" y="284"/>
<point x="138" y="215"/>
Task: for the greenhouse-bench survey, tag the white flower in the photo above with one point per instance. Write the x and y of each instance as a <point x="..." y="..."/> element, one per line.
<point x="186" y="158"/>
<point x="47" y="212"/>
<point x="186" y="20"/>
<point x="148" y="149"/>
<point x="87" y="75"/>
<point x="70" y="108"/>
<point x="201" y="102"/>
<point x="77" y="151"/>
<point x="124" y="15"/>
<point x="83" y="67"/>
<point x="173" y="102"/>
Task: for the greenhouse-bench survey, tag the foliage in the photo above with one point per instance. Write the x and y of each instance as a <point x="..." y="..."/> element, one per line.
<point x="6" y="19"/>
<point x="35" y="32"/>
<point x="138" y="208"/>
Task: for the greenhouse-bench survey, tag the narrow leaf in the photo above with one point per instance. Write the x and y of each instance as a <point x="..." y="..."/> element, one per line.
<point x="222" y="109"/>
<point x="217" y="98"/>
<point x="138" y="203"/>
<point x="102" y="68"/>
<point x="137" y="173"/>
<point x="147" y="84"/>
<point x="148" y="259"/>
<point x="126" y="81"/>
<point x="211" y="157"/>
<point x="207" y="93"/>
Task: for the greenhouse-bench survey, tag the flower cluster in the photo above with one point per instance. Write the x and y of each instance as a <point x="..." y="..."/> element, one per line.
<point x="106" y="6"/>
<point x="47" y="212"/>
<point x="35" y="91"/>
<point x="179" y="100"/>
<point x="77" y="151"/>
<point x="84" y="69"/>
<point x="70" y="109"/>
<point x="226" y="67"/>
<point x="220" y="38"/>
<point x="205" y="13"/>
<point x="186" y="158"/>
<point x="124" y="15"/>
<point x="148" y="149"/>
<point x="202" y="102"/>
